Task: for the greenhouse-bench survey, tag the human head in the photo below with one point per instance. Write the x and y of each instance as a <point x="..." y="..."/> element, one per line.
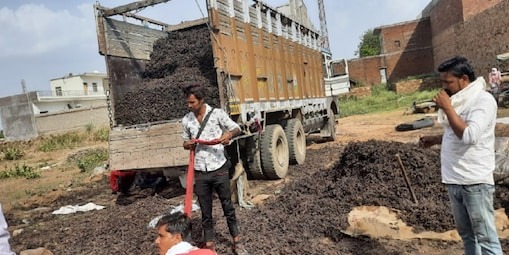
<point x="456" y="74"/>
<point x="171" y="230"/>
<point x="195" y="97"/>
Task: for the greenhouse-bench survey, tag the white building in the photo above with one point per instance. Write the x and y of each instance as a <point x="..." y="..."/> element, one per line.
<point x="72" y="91"/>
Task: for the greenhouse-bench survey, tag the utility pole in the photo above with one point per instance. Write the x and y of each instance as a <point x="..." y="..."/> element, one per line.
<point x="323" y="25"/>
<point x="23" y="86"/>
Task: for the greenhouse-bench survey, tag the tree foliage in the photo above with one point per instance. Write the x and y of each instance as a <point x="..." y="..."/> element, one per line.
<point x="370" y="45"/>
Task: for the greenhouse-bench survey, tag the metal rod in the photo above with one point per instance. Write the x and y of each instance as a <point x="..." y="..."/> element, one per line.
<point x="406" y="178"/>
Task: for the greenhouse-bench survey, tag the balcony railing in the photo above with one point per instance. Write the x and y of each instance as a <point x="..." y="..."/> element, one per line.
<point x="69" y="93"/>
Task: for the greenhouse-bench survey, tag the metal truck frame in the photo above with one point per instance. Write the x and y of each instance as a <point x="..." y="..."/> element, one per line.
<point x="270" y="71"/>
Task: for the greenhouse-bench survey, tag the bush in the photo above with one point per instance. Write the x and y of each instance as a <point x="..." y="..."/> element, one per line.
<point x="90" y="159"/>
<point x="61" y="141"/>
<point x="102" y="134"/>
<point x="25" y="171"/>
<point x="381" y="99"/>
<point x="12" y="153"/>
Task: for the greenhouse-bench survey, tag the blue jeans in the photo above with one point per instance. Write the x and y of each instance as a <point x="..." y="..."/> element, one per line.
<point x="472" y="208"/>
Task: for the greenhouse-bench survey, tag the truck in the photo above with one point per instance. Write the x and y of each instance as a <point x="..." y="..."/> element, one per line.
<point x="337" y="78"/>
<point x="265" y="68"/>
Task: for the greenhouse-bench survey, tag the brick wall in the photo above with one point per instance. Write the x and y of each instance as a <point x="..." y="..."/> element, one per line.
<point x="411" y="86"/>
<point x="365" y="70"/>
<point x="474" y="7"/>
<point x="444" y="14"/>
<point x="405" y="36"/>
<point x="479" y="38"/>
<point x="360" y="92"/>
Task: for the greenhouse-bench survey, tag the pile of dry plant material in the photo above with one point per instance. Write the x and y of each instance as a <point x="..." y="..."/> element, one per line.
<point x="184" y="58"/>
<point x="306" y="216"/>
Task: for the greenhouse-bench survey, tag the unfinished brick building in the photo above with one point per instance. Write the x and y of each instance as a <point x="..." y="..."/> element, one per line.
<point x="476" y="29"/>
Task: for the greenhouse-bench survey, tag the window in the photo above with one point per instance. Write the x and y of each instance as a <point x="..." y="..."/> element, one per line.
<point x="58" y="91"/>
<point x="397" y="43"/>
<point x="94" y="87"/>
<point x="85" y="88"/>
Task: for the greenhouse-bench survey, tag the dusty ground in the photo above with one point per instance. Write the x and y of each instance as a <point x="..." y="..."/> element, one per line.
<point x="272" y="228"/>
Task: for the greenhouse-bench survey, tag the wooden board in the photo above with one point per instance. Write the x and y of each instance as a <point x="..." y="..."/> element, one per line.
<point x="147" y="146"/>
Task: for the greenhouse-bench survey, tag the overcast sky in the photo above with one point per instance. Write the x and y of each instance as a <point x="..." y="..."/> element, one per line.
<point x="45" y="39"/>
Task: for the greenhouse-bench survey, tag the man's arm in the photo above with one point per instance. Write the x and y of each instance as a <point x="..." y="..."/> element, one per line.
<point x="457" y="124"/>
<point x="232" y="128"/>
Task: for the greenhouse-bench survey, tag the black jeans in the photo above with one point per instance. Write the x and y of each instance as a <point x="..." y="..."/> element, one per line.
<point x="205" y="184"/>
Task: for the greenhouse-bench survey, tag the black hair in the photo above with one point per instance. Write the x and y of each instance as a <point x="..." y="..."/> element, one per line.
<point x="197" y="90"/>
<point x="458" y="66"/>
<point x="176" y="223"/>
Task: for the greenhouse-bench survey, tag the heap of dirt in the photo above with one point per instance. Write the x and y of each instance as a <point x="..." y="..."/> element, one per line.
<point x="184" y="58"/>
<point x="315" y="207"/>
<point x="306" y="216"/>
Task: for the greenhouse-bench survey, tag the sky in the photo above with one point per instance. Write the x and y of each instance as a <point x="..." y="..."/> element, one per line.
<point x="42" y="40"/>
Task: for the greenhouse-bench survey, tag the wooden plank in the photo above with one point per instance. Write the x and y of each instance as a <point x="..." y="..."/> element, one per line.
<point x="156" y="146"/>
<point x="131" y="7"/>
<point x="187" y="24"/>
<point x="129" y="40"/>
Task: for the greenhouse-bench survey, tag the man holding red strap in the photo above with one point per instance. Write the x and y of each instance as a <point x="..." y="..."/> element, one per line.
<point x="210" y="164"/>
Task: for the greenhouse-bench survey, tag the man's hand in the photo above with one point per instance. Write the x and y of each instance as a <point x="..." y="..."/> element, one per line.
<point x="443" y="100"/>
<point x="189" y="145"/>
<point x="225" y="138"/>
<point x="428" y="141"/>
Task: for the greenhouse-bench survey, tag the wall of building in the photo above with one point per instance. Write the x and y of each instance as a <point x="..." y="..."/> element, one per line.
<point x="17" y="117"/>
<point x="74" y="85"/>
<point x="366" y="70"/>
<point x="52" y="106"/>
<point x="73" y="120"/>
<point x="474" y="7"/>
<point x="479" y="38"/>
<point x="407" y="49"/>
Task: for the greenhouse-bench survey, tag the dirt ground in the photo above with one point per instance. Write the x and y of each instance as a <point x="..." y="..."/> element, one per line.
<point x="308" y="212"/>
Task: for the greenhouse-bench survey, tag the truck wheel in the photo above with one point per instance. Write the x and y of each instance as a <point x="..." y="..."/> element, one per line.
<point x="274" y="152"/>
<point x="296" y="141"/>
<point x="331" y="125"/>
<point x="254" y="162"/>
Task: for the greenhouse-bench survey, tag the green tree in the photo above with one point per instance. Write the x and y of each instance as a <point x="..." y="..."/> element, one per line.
<point x="370" y="45"/>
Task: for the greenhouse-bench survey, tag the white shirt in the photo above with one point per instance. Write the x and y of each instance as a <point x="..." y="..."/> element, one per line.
<point x="208" y="157"/>
<point x="5" y="248"/>
<point x="180" y="248"/>
<point x="471" y="160"/>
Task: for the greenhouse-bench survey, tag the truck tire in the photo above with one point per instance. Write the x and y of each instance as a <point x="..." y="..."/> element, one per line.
<point x="254" y="162"/>
<point x="274" y="152"/>
<point x="331" y="125"/>
<point x="296" y="141"/>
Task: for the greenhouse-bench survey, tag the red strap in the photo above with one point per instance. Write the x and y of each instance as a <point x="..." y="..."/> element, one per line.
<point x="190" y="176"/>
<point x="210" y="142"/>
<point x="189" y="185"/>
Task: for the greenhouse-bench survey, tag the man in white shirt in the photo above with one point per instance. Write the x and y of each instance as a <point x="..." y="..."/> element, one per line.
<point x="172" y="231"/>
<point x="210" y="164"/>
<point x="5" y="248"/>
<point x="468" y="114"/>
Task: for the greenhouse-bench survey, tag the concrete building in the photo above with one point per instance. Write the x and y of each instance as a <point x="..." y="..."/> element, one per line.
<point x="73" y="102"/>
<point x="71" y="92"/>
